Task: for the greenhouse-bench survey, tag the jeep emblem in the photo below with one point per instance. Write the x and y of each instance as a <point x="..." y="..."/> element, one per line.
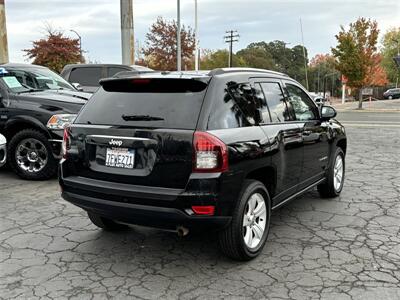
<point x="115" y="143"/>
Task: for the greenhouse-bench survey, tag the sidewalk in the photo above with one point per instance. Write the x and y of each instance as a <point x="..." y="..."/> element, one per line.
<point x="377" y="106"/>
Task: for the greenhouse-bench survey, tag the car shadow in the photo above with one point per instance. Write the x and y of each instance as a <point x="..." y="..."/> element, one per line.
<point x="146" y="245"/>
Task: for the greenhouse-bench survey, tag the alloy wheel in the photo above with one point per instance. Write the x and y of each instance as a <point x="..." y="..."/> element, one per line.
<point x="338" y="173"/>
<point x="254" y="220"/>
<point x="31" y="155"/>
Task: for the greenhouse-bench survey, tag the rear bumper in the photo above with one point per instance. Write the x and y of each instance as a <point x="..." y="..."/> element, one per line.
<point x="152" y="206"/>
<point x="145" y="215"/>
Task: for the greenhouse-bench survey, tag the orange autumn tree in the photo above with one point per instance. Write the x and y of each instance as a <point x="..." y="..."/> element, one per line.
<point x="55" y="51"/>
<point x="376" y="74"/>
<point x="161" y="46"/>
<point x="355" y="53"/>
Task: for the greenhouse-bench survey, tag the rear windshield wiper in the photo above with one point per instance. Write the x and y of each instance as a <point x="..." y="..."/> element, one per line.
<point x="141" y="118"/>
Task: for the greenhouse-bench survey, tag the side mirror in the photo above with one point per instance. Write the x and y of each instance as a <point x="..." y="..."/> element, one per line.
<point x="327" y="113"/>
<point x="77" y="86"/>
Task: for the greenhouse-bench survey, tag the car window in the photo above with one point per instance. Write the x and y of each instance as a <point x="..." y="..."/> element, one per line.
<point x="86" y="76"/>
<point x="302" y="105"/>
<point x="260" y="98"/>
<point x="233" y="107"/>
<point x="154" y="103"/>
<point x="39" y="78"/>
<point x="276" y="102"/>
<point x="114" y="70"/>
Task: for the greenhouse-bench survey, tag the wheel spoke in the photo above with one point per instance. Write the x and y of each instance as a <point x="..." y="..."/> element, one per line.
<point x="260" y="210"/>
<point x="248" y="238"/>
<point x="246" y="221"/>
<point x="258" y="231"/>
<point x="252" y="204"/>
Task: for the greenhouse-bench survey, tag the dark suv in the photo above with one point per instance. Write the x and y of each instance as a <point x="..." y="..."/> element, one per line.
<point x="215" y="150"/>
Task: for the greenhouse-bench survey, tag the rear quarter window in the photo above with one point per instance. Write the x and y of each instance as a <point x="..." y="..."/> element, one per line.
<point x="234" y="106"/>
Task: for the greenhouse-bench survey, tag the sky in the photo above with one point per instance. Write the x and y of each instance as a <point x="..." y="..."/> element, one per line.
<point x="98" y="22"/>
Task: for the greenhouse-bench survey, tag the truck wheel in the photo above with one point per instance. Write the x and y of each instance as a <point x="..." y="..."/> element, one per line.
<point x="106" y="224"/>
<point x="30" y="155"/>
<point x="247" y="233"/>
<point x="333" y="185"/>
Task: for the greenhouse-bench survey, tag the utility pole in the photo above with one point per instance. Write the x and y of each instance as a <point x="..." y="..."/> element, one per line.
<point x="178" y="38"/>
<point x="127" y="33"/>
<point x="231" y="38"/>
<point x="304" y="53"/>
<point x="196" y="36"/>
<point x="3" y="34"/>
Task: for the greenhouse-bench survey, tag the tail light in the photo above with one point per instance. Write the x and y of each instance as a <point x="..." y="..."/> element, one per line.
<point x="210" y="153"/>
<point x="66" y="144"/>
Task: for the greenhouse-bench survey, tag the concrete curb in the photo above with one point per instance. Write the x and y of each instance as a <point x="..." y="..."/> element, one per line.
<point x="375" y="110"/>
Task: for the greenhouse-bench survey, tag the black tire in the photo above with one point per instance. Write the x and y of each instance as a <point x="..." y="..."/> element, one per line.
<point x="327" y="189"/>
<point x="50" y="168"/>
<point x="106" y="224"/>
<point x="231" y="238"/>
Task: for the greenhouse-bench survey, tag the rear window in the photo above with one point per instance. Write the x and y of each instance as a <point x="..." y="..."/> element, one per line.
<point x="150" y="103"/>
<point x="86" y="76"/>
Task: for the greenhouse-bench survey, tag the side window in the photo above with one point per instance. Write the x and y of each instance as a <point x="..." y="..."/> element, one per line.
<point x="86" y="76"/>
<point x="234" y="106"/>
<point x="276" y="102"/>
<point x="114" y="70"/>
<point x="302" y="105"/>
<point x="260" y="98"/>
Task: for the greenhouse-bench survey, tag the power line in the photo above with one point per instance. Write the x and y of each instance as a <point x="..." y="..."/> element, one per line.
<point x="231" y="38"/>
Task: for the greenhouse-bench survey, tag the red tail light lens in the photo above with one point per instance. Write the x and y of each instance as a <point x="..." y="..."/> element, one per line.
<point x="204" y="210"/>
<point x="66" y="144"/>
<point x="210" y="153"/>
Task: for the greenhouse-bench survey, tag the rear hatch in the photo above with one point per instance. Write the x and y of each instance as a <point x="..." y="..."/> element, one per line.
<point x="138" y="131"/>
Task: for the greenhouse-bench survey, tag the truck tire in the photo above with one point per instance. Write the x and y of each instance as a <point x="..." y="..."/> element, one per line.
<point x="30" y="155"/>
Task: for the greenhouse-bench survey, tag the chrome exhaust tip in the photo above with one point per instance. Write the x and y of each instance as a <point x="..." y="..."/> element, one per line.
<point x="182" y="231"/>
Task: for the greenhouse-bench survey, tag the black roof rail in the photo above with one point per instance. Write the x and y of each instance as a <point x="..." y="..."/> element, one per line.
<point x="239" y="70"/>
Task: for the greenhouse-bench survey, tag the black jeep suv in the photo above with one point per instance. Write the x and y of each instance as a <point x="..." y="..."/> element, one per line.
<point x="211" y="150"/>
<point x="35" y="105"/>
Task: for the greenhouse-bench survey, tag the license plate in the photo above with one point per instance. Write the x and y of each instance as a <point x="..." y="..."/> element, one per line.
<point x="120" y="158"/>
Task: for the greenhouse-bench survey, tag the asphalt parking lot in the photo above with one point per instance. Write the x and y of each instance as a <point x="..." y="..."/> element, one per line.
<point x="343" y="248"/>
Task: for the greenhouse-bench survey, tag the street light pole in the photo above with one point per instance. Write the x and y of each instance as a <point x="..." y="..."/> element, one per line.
<point x="304" y="53"/>
<point x="178" y="37"/>
<point x="398" y="55"/>
<point x="196" y="33"/>
<point x="80" y="42"/>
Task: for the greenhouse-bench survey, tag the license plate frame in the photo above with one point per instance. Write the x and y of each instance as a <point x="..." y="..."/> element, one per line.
<point x="120" y="158"/>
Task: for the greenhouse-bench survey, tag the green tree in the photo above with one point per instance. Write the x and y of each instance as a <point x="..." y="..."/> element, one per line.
<point x="391" y="48"/>
<point x="286" y="60"/>
<point x="55" y="51"/>
<point x="355" y="52"/>
<point x="256" y="57"/>
<point x="160" y="49"/>
<point x="323" y="75"/>
<point x="219" y="59"/>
